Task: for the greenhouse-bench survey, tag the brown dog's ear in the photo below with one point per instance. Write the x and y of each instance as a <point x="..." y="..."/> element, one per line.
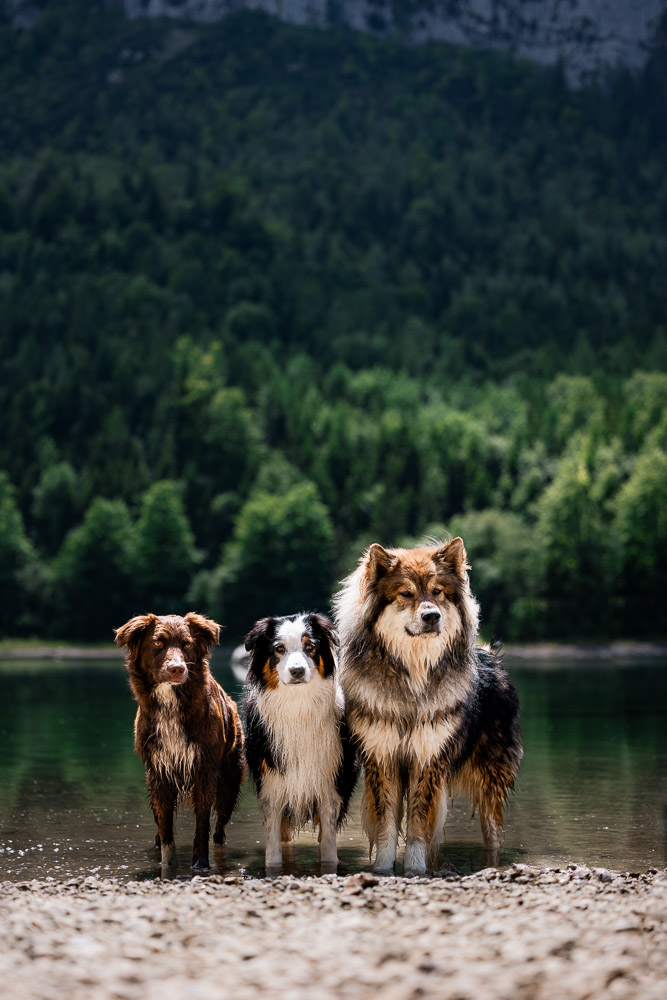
<point x="204" y="629"/>
<point x="454" y="555"/>
<point x="131" y="633"/>
<point x="260" y="630"/>
<point x="379" y="561"/>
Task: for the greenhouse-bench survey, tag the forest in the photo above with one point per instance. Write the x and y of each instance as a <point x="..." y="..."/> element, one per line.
<point x="269" y="294"/>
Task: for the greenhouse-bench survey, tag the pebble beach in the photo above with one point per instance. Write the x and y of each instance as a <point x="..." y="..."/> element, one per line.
<point x="522" y="932"/>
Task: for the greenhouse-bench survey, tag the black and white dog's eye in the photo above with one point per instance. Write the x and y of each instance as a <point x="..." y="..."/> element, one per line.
<point x="310" y="649"/>
<point x="279" y="650"/>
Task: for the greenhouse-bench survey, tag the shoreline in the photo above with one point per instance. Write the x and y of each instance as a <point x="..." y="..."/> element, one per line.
<point x="524" y="931"/>
<point x="617" y="650"/>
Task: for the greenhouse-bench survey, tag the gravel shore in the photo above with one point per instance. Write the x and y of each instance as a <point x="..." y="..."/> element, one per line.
<point x="522" y="932"/>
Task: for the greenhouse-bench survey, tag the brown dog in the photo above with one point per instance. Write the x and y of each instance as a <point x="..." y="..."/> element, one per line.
<point x="187" y="730"/>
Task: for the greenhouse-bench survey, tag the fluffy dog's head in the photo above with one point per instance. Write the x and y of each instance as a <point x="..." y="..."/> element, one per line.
<point x="291" y="650"/>
<point x="167" y="648"/>
<point x="416" y="601"/>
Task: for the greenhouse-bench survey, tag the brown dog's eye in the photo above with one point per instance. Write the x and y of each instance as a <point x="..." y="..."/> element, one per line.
<point x="188" y="643"/>
<point x="157" y="643"/>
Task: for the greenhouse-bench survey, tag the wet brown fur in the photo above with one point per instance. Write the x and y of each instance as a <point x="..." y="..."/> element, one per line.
<point x="188" y="735"/>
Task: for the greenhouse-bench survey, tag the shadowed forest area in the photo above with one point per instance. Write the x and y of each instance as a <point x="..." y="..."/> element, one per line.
<point x="269" y="294"/>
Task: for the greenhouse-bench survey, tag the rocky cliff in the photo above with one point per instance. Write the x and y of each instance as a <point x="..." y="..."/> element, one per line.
<point x="586" y="35"/>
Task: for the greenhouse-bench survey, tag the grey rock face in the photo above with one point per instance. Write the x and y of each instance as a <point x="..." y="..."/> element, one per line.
<point x="587" y="35"/>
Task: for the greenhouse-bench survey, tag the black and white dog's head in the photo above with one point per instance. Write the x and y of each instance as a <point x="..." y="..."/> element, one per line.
<point x="291" y="650"/>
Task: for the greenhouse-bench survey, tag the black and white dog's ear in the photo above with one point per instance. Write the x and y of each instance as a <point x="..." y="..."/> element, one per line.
<point x="260" y="630"/>
<point x="327" y="638"/>
<point x="258" y="642"/>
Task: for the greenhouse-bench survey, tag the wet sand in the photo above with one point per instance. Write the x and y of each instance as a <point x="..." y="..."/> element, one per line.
<point x="523" y="932"/>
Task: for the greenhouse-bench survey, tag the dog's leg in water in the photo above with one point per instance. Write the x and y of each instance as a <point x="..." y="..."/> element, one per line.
<point x="427" y="811"/>
<point x="382" y="810"/>
<point x="329" y="812"/>
<point x="272" y="802"/>
<point x="163" y="802"/>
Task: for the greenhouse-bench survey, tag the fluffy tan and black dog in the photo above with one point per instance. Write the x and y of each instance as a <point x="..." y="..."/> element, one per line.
<point x="432" y="713"/>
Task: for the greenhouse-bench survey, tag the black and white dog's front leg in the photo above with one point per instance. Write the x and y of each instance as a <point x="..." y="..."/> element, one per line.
<point x="272" y="801"/>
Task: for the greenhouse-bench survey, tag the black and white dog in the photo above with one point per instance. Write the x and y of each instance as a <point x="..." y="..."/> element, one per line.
<point x="298" y="748"/>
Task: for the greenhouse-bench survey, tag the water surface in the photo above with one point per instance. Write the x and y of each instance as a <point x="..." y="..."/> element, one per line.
<point x="592" y="788"/>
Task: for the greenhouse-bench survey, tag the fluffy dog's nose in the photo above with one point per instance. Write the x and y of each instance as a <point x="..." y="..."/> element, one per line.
<point x="297" y="673"/>
<point x="430" y="617"/>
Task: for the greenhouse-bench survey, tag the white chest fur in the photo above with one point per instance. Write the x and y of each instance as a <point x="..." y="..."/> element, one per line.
<point x="302" y="721"/>
<point x="172" y="755"/>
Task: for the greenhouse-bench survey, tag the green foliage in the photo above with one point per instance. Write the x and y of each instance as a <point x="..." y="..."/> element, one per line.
<point x="56" y="505"/>
<point x="93" y="574"/>
<point x="165" y="555"/>
<point x="640" y="528"/>
<point x="279" y="560"/>
<point x="508" y="568"/>
<point x="17" y="563"/>
<point x="281" y="275"/>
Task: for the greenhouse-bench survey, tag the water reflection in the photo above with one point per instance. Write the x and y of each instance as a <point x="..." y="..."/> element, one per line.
<point x="72" y="798"/>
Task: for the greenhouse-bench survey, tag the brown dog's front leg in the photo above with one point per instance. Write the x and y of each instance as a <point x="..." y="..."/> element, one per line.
<point x="200" y="845"/>
<point x="163" y="803"/>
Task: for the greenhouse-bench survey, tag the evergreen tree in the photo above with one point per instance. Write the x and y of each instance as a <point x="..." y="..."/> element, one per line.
<point x="93" y="575"/>
<point x="18" y="566"/>
<point x="279" y="560"/>
<point x="165" y="553"/>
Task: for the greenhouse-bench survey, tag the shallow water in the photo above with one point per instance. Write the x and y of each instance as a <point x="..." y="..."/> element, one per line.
<point x="592" y="789"/>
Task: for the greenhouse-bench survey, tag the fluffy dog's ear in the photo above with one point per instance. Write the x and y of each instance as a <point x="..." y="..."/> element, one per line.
<point x="205" y="630"/>
<point x="327" y="638"/>
<point x="131" y="633"/>
<point x="453" y="555"/>
<point x="378" y="561"/>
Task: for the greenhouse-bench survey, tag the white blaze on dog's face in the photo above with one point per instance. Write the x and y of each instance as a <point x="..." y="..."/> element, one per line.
<point x="421" y="594"/>
<point x="295" y="650"/>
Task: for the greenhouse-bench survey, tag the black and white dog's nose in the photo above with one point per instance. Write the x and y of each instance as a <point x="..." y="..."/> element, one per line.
<point x="297" y="673"/>
<point x="430" y="617"/>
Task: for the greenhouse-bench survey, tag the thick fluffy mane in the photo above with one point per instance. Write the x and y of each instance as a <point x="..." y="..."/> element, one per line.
<point x="363" y="597"/>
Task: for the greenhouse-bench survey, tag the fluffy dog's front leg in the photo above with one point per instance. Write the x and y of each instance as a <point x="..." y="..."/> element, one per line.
<point x="427" y="811"/>
<point x="382" y="810"/>
<point x="329" y="811"/>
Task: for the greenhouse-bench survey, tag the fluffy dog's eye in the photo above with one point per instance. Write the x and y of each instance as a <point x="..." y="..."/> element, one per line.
<point x="279" y="650"/>
<point x="407" y="594"/>
<point x="436" y="591"/>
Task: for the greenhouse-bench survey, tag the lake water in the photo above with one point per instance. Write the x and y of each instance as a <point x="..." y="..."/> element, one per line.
<point x="592" y="789"/>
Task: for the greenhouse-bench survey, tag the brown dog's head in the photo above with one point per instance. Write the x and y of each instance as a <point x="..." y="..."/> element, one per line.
<point x="168" y="647"/>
